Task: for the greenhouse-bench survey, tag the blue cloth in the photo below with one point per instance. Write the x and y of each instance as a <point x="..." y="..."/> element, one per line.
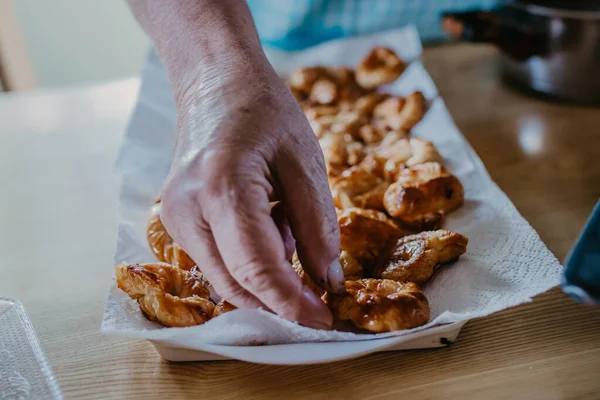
<point x="297" y="24"/>
<point x="581" y="279"/>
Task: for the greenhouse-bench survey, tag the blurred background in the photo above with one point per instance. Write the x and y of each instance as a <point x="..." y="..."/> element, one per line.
<point x="67" y="42"/>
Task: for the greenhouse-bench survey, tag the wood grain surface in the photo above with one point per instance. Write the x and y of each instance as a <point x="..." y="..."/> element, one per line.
<point x="57" y="231"/>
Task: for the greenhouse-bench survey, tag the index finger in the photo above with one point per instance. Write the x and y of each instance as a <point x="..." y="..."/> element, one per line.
<point x="253" y="251"/>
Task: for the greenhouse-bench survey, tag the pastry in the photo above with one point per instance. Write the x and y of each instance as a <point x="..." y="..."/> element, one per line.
<point x="381" y="66"/>
<point x="422" y="193"/>
<point x="162" y="244"/>
<point x="400" y="113"/>
<point x="166" y="294"/>
<point x="365" y="234"/>
<point x="306" y="279"/>
<point x="415" y="258"/>
<point x="380" y="305"/>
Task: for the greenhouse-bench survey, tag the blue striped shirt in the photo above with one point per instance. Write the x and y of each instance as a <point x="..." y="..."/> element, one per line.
<point x="297" y="24"/>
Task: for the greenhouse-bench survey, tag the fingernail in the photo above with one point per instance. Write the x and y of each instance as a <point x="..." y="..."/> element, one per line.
<point x="335" y="276"/>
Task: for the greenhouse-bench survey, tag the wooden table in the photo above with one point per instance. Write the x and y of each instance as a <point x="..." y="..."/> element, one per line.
<point x="57" y="232"/>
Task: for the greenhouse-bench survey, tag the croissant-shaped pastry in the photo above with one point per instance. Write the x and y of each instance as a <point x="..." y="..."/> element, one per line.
<point x="381" y="66"/>
<point x="380" y="305"/>
<point x="306" y="279"/>
<point x="422" y="193"/>
<point x="361" y="186"/>
<point x="415" y="258"/>
<point x="401" y="152"/>
<point x="166" y="294"/>
<point x="401" y="113"/>
<point x="365" y="234"/>
<point x="162" y="244"/>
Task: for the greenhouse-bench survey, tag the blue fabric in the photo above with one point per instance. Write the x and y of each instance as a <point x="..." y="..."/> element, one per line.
<point x="297" y="24"/>
<point x="581" y="279"/>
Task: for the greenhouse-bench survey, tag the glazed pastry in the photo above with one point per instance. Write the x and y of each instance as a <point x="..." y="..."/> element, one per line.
<point x="161" y="243"/>
<point x="223" y="307"/>
<point x="323" y="91"/>
<point x="367" y="103"/>
<point x="166" y="294"/>
<point x="401" y="152"/>
<point x="380" y="305"/>
<point x="303" y="79"/>
<point x="381" y="66"/>
<point x="365" y="234"/>
<point x="353" y="270"/>
<point x="323" y="85"/>
<point x="306" y="279"/>
<point x="423" y="192"/>
<point x="361" y="186"/>
<point x="401" y="113"/>
<point x="415" y="258"/>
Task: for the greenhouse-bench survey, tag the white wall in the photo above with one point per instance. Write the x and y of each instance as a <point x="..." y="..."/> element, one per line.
<point x="81" y="41"/>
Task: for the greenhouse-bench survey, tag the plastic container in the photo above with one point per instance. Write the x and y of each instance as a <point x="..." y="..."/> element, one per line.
<point x="24" y="370"/>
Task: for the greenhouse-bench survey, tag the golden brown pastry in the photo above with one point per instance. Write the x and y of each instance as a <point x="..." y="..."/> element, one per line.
<point x="315" y="112"/>
<point x="324" y="91"/>
<point x="411" y="114"/>
<point x="400" y="152"/>
<point x="166" y="294"/>
<point x="302" y="79"/>
<point x="379" y="67"/>
<point x="400" y="113"/>
<point x="361" y="186"/>
<point x="423" y="192"/>
<point x="334" y="148"/>
<point x="306" y="279"/>
<point x="380" y="305"/>
<point x="161" y="243"/>
<point x="365" y="234"/>
<point x="348" y="122"/>
<point x="388" y="109"/>
<point x="367" y="103"/>
<point x="415" y="258"/>
<point x="351" y="267"/>
<point x="223" y="307"/>
<point x="371" y="134"/>
<point x="323" y="85"/>
<point x="349" y="90"/>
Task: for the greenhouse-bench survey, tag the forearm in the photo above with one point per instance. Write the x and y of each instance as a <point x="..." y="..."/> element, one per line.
<point x="203" y="40"/>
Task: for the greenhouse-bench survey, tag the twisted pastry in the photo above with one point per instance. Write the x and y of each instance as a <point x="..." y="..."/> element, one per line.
<point x="379" y="67"/>
<point x="415" y="258"/>
<point x="166" y="294"/>
<point x="162" y="244"/>
<point x="423" y="193"/>
<point x="380" y="305"/>
<point x="401" y="113"/>
<point x="365" y="234"/>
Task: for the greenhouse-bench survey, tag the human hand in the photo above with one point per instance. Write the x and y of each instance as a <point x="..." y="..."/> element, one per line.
<point x="243" y="143"/>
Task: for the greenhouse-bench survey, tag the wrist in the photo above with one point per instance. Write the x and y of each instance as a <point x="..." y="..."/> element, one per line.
<point x="201" y="40"/>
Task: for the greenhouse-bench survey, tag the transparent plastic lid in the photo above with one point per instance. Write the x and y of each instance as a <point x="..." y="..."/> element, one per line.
<point x="24" y="371"/>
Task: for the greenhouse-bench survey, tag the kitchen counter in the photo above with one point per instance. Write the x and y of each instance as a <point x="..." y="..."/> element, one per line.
<point x="57" y="233"/>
